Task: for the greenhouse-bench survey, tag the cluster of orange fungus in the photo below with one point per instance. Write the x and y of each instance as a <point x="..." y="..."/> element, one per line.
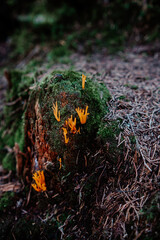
<point x="82" y="114"/>
<point x="72" y="125"/>
<point x="55" y="111"/>
<point x="39" y="185"/>
<point x="60" y="163"/>
<point x="66" y="139"/>
<point x="83" y="81"/>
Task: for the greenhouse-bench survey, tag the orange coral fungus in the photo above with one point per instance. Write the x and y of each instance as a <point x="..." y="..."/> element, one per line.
<point x="55" y="111"/>
<point x="83" y="81"/>
<point x="82" y="114"/>
<point x="39" y="185"/>
<point x="72" y="125"/>
<point x="66" y="122"/>
<point x="65" y="137"/>
<point x="60" y="163"/>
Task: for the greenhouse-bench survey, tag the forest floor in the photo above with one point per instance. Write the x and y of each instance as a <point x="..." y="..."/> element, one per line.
<point x="133" y="79"/>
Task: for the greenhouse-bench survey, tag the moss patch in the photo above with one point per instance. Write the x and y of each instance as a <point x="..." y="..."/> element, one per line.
<point x="150" y="216"/>
<point x="6" y="200"/>
<point x="12" y="124"/>
<point x="65" y="88"/>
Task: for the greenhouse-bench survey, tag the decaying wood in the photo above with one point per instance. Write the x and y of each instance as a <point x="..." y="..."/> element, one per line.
<point x="20" y="159"/>
<point x="8" y="78"/>
<point x="35" y="135"/>
<point x="10" y="187"/>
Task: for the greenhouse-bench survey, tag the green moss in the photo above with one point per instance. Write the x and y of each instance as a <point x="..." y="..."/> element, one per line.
<point x="12" y="132"/>
<point x="20" y="80"/>
<point x="134" y="87"/>
<point x="58" y="52"/>
<point x="6" y="200"/>
<point x="19" y="135"/>
<point x="122" y="97"/>
<point x="9" y="162"/>
<point x="12" y="123"/>
<point x="22" y="40"/>
<point x="150" y="215"/>
<point x="151" y="210"/>
<point x="132" y="139"/>
<point x="66" y="88"/>
<point x="108" y="131"/>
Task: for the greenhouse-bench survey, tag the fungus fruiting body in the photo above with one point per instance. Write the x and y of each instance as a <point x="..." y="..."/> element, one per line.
<point x="83" y="81"/>
<point x="82" y="114"/>
<point x="39" y="185"/>
<point x="66" y="139"/>
<point x="55" y="112"/>
<point x="72" y="125"/>
<point x="60" y="163"/>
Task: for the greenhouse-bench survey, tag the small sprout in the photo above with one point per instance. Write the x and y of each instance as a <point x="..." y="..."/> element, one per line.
<point x="82" y="114"/>
<point x="65" y="137"/>
<point x="134" y="87"/>
<point x="72" y="125"/>
<point x="83" y="81"/>
<point x="55" y="112"/>
<point x="60" y="163"/>
<point x="39" y="185"/>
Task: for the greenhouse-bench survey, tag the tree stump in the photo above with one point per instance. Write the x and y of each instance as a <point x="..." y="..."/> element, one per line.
<point x="59" y="143"/>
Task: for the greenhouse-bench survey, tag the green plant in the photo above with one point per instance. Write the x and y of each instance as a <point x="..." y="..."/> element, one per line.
<point x="6" y="200"/>
<point x="22" y="42"/>
<point x="108" y="131"/>
<point x="122" y="97"/>
<point x="150" y="215"/>
<point x="134" y="87"/>
<point x="12" y="118"/>
<point x="59" y="53"/>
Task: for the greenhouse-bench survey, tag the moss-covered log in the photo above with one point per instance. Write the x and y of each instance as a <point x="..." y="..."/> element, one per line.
<point x="45" y="142"/>
<point x="44" y="136"/>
